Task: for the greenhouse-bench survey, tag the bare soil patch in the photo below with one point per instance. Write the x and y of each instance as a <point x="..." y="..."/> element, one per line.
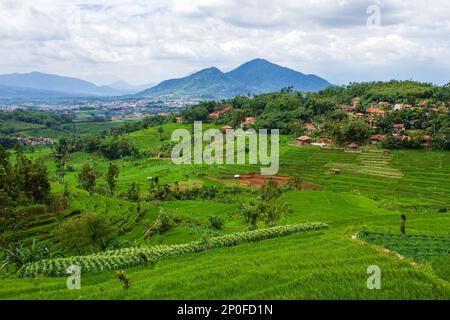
<point x="258" y="181"/>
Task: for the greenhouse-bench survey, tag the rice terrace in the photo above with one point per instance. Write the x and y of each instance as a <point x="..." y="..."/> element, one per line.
<point x="216" y="175"/>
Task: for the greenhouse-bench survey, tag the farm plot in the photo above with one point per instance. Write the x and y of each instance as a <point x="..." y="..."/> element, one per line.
<point x="370" y="162"/>
<point x="422" y="248"/>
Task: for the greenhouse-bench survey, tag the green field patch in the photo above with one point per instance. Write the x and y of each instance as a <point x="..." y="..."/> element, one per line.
<point x="422" y="248"/>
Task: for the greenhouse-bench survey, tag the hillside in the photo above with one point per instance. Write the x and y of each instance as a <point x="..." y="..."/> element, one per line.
<point x="265" y="76"/>
<point x="256" y="76"/>
<point x="208" y="83"/>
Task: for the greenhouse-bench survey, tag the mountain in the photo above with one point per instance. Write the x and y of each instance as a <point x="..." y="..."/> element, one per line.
<point x="35" y="84"/>
<point x="210" y="83"/>
<point x="269" y="77"/>
<point x="7" y="92"/>
<point x="255" y="76"/>
<point x="127" y="88"/>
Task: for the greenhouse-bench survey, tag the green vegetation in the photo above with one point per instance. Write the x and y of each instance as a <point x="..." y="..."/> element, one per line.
<point x="142" y="227"/>
<point x="122" y="258"/>
<point x="421" y="248"/>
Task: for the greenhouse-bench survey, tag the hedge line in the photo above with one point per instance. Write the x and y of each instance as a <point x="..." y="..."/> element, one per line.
<point x="129" y="257"/>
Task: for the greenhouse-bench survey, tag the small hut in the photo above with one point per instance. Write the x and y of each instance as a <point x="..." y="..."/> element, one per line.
<point x="353" y="146"/>
<point x="304" y="140"/>
<point x="225" y="128"/>
<point x="335" y="170"/>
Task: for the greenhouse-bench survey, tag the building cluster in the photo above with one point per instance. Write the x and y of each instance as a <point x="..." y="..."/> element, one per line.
<point x="33" y="141"/>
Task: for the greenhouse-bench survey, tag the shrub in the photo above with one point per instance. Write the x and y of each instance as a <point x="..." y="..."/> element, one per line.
<point x="125" y="279"/>
<point x="85" y="232"/>
<point x="215" y="222"/>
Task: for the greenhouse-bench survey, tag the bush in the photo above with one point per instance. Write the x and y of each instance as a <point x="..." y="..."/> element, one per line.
<point x="129" y="257"/>
<point x="89" y="231"/>
<point x="215" y="222"/>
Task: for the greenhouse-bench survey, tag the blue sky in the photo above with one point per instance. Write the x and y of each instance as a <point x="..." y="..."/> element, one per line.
<point x="149" y="41"/>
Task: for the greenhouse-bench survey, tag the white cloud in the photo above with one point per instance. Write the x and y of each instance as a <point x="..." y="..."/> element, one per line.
<point x="147" y="41"/>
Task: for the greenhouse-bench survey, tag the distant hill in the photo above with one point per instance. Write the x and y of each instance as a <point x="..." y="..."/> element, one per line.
<point x="127" y="88"/>
<point x="7" y="92"/>
<point x="255" y="76"/>
<point x="210" y="83"/>
<point x="265" y="76"/>
<point x="36" y="84"/>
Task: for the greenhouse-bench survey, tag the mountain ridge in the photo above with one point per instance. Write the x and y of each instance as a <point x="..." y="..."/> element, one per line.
<point x="252" y="77"/>
<point x="59" y="86"/>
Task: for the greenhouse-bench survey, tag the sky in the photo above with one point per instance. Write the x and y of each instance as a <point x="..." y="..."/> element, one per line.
<point x="149" y="41"/>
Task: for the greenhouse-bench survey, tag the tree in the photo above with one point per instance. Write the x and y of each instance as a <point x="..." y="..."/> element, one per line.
<point x="87" y="178"/>
<point x="161" y="132"/>
<point x="402" y="224"/>
<point x="87" y="232"/>
<point x="133" y="192"/>
<point x="270" y="190"/>
<point x="111" y="176"/>
<point x="61" y="155"/>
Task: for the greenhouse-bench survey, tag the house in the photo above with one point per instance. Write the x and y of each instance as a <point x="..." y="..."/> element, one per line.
<point x="248" y="121"/>
<point x="398" y="127"/>
<point x="304" y="140"/>
<point x="353" y="146"/>
<point x="375" y="138"/>
<point x="359" y="115"/>
<point x="309" y="127"/>
<point x="383" y="104"/>
<point x="226" y="127"/>
<point x="356" y="101"/>
<point x="220" y="113"/>
<point x="346" y="108"/>
<point x="401" y="106"/>
<point x="425" y="140"/>
<point x="375" y="111"/>
<point x="179" y="119"/>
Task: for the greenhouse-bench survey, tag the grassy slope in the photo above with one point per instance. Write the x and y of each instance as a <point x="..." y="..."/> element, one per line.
<point x="325" y="265"/>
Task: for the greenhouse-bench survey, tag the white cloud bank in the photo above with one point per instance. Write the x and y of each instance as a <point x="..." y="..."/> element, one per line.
<point x="148" y="41"/>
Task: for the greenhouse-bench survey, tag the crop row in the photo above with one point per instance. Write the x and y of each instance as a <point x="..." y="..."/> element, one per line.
<point x="129" y="257"/>
<point x="422" y="248"/>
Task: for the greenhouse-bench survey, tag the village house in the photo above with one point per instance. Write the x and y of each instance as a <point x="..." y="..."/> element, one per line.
<point x="179" y="119"/>
<point x="375" y="111"/>
<point x="401" y="106"/>
<point x="398" y="127"/>
<point x="304" y="140"/>
<point x="225" y="128"/>
<point x="248" y="121"/>
<point x="220" y="113"/>
<point x="425" y="140"/>
<point x="356" y="101"/>
<point x="353" y="146"/>
<point x="383" y="104"/>
<point x="310" y="127"/>
<point x="375" y="138"/>
<point x="346" y="108"/>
